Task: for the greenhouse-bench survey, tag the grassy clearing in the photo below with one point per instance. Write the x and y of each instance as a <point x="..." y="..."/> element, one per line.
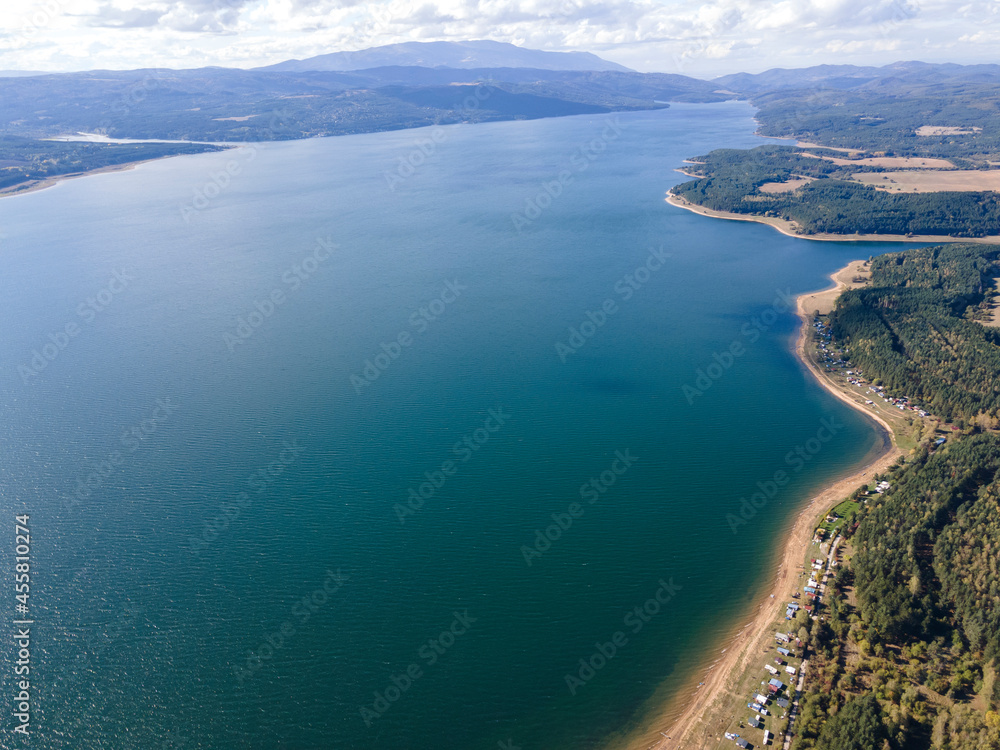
<point x="932" y="181"/>
<point x="840" y="513"/>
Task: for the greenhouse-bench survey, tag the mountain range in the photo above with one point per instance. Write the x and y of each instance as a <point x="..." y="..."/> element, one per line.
<point x="461" y="55"/>
<point x="418" y="84"/>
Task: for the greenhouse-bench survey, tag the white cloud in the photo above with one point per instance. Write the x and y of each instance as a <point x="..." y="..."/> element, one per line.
<point x="702" y="38"/>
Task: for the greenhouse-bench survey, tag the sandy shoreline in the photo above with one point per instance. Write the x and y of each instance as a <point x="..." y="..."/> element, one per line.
<point x="24" y="188"/>
<point x="790" y="229"/>
<point x="694" y="725"/>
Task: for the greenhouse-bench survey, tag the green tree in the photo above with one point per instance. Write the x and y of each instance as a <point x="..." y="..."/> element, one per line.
<point x="857" y="726"/>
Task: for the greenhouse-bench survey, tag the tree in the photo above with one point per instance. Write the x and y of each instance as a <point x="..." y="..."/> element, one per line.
<point x="857" y="726"/>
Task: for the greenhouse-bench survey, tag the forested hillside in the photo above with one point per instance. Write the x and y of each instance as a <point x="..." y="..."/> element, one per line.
<point x="909" y="110"/>
<point x="885" y="109"/>
<point x="221" y="104"/>
<point x="906" y="650"/>
<point x="913" y="329"/>
<point x="730" y="180"/>
<point x="23" y="160"/>
<point x="888" y="120"/>
<point x="226" y="105"/>
<point x="907" y="656"/>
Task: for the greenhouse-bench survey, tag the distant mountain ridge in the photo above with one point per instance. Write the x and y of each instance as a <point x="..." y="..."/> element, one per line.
<point x="909" y="73"/>
<point x="471" y="54"/>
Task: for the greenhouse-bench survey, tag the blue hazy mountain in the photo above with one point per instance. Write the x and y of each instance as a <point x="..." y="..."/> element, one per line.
<point x="471" y="54"/>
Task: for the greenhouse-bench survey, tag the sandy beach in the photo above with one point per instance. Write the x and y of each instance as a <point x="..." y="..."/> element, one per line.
<point x="792" y="229"/>
<point x="33" y="185"/>
<point x="700" y="712"/>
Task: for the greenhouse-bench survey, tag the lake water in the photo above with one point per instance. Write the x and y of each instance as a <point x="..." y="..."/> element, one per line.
<point x="285" y="494"/>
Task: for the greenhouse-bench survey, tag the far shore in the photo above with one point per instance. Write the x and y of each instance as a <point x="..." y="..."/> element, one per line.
<point x="22" y="188"/>
<point x="792" y="229"/>
<point x="702" y="706"/>
<point x="30" y="186"/>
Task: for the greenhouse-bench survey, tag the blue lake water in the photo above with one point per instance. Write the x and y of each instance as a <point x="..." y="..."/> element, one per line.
<point x="292" y="421"/>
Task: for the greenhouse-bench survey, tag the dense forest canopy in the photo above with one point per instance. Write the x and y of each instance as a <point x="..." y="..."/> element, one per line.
<point x="916" y="111"/>
<point x="913" y="663"/>
<point x="229" y="105"/>
<point x="730" y="180"/>
<point x="907" y="649"/>
<point x="887" y="120"/>
<point x="913" y="329"/>
<point x="23" y="160"/>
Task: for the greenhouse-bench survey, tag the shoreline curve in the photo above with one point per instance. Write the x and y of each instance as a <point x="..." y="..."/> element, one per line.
<point x="790" y="228"/>
<point x="688" y="709"/>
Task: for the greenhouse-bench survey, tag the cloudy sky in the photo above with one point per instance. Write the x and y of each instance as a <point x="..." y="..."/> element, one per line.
<point x="675" y="36"/>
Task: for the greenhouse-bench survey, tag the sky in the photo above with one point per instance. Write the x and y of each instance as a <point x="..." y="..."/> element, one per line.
<point x="701" y="39"/>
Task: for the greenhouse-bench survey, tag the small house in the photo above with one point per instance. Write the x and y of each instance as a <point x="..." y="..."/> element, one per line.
<point x="784" y="652"/>
<point x="783" y="702"/>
